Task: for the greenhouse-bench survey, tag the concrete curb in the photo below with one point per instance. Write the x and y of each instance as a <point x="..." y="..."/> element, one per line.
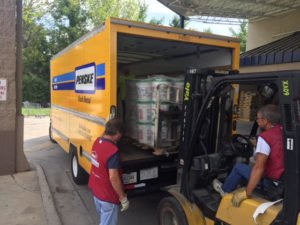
<point x="47" y="198"/>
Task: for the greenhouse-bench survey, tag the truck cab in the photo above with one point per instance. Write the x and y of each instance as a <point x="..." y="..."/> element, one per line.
<point x="219" y="129"/>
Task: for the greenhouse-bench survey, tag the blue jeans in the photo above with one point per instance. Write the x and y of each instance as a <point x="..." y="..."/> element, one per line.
<point x="108" y="212"/>
<point x="240" y="172"/>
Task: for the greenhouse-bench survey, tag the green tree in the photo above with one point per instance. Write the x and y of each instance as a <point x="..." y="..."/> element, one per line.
<point x="70" y="21"/>
<point x="99" y="10"/>
<point x="36" y="89"/>
<point x="208" y="30"/>
<point x="142" y="12"/>
<point x="36" y="51"/>
<point x="175" y="22"/>
<point x="157" y="21"/>
<point x="242" y="34"/>
<point x="51" y="25"/>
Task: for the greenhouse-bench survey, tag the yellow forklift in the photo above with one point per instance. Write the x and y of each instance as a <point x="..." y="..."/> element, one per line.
<point x="219" y="129"/>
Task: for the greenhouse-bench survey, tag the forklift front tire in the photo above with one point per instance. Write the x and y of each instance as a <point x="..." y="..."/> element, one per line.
<point x="170" y="212"/>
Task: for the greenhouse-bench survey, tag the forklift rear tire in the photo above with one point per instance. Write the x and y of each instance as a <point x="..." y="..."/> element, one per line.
<point x="80" y="177"/>
<point x="170" y="212"/>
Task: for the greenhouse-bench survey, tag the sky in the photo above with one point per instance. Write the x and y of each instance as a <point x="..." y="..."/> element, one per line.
<point x="158" y="10"/>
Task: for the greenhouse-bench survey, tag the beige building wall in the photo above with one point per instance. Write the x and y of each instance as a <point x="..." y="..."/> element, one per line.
<point x="270" y="68"/>
<point x="268" y="30"/>
<point x="11" y="122"/>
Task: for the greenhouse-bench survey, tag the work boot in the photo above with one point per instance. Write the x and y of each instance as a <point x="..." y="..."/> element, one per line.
<point x="217" y="185"/>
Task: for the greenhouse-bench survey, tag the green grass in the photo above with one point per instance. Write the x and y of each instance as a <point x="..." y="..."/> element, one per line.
<point x="36" y="111"/>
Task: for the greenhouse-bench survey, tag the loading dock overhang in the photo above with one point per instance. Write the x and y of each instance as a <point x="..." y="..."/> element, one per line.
<point x="229" y="11"/>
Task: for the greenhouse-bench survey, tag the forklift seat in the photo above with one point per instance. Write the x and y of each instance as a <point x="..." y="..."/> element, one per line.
<point x="205" y="168"/>
<point x="275" y="190"/>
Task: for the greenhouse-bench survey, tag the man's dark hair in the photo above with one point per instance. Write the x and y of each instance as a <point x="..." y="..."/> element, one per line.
<point x="271" y="113"/>
<point x="113" y="126"/>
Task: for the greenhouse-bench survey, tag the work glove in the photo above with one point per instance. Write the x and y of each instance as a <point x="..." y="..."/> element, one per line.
<point x="239" y="196"/>
<point x="124" y="204"/>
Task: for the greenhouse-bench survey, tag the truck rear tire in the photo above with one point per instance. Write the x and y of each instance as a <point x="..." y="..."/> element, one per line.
<point x="170" y="212"/>
<point x="79" y="175"/>
<point x="50" y="135"/>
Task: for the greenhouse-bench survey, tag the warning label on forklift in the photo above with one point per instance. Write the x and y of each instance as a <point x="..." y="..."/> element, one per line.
<point x="290" y="144"/>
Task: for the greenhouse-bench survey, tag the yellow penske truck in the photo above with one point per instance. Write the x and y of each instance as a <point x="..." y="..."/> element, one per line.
<point x="85" y="93"/>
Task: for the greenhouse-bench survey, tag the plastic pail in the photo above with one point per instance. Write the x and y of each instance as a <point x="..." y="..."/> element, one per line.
<point x="143" y="90"/>
<point x="161" y="86"/>
<point x="146" y="133"/>
<point x="145" y="112"/>
<point x="177" y="90"/>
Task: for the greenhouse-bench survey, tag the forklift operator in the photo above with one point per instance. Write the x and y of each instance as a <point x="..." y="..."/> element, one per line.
<point x="269" y="159"/>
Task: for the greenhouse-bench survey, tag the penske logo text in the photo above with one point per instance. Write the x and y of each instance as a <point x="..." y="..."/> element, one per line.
<point x="85" y="79"/>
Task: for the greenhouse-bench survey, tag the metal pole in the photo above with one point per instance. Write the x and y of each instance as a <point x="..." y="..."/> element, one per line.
<point x="19" y="58"/>
<point x="182" y="19"/>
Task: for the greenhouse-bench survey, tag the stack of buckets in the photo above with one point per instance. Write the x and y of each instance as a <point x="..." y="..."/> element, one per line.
<point x="141" y="106"/>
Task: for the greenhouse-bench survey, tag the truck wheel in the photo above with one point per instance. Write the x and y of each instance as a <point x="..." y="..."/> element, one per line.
<point x="170" y="212"/>
<point x="50" y="135"/>
<point x="79" y="175"/>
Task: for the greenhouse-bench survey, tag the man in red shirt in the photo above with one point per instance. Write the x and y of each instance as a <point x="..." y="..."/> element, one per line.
<point x="106" y="176"/>
<point x="269" y="158"/>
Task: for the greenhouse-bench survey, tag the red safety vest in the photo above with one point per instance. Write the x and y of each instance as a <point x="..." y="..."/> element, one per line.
<point x="275" y="163"/>
<point x="99" y="181"/>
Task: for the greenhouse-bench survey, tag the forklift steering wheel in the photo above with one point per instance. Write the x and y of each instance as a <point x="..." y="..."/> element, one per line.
<point x="241" y="146"/>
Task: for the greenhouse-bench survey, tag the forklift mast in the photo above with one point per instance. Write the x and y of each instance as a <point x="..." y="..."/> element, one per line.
<point x="193" y="96"/>
<point x="289" y="98"/>
<point x="196" y="85"/>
